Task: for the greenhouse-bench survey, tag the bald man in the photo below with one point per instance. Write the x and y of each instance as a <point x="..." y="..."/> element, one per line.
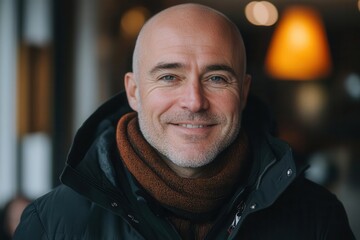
<point x="177" y="157"/>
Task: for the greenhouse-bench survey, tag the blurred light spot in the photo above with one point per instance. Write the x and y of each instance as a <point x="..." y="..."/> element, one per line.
<point x="261" y="13"/>
<point x="329" y="166"/>
<point x="310" y="103"/>
<point x="325" y="167"/>
<point x="299" y="49"/>
<point x="352" y="85"/>
<point x="359" y="5"/>
<point x="249" y="12"/>
<point x="37" y="22"/>
<point x="318" y="172"/>
<point x="36" y="164"/>
<point x="133" y="20"/>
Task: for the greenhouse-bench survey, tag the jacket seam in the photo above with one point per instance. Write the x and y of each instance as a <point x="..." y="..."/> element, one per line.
<point x="40" y="220"/>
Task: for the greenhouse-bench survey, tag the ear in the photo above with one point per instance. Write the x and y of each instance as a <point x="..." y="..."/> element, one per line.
<point x="245" y="89"/>
<point x="131" y="89"/>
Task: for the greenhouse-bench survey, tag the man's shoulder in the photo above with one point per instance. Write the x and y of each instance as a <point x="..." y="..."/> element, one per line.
<point x="61" y="210"/>
<point x="305" y="210"/>
<point x="61" y="202"/>
<point x="61" y="205"/>
<point x="307" y="191"/>
<point x="313" y="202"/>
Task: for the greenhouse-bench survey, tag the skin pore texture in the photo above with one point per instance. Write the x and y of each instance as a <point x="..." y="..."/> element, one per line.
<point x="188" y="85"/>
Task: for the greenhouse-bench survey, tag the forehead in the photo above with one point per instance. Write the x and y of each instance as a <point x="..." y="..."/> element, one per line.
<point x="199" y="41"/>
<point x="193" y="25"/>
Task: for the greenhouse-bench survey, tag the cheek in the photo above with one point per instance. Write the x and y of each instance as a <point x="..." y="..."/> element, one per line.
<point x="228" y="104"/>
<point x="155" y="104"/>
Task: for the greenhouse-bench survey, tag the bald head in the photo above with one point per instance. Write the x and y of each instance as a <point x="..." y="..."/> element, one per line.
<point x="188" y="85"/>
<point x="191" y="20"/>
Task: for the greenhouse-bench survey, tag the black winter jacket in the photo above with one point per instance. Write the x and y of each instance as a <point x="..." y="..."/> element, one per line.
<point x="95" y="201"/>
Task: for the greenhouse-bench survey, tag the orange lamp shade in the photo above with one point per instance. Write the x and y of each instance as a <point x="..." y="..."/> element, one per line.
<point x="299" y="49"/>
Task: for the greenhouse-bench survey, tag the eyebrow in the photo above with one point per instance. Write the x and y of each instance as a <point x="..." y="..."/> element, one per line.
<point x="164" y="66"/>
<point x="209" y="68"/>
<point x="220" y="67"/>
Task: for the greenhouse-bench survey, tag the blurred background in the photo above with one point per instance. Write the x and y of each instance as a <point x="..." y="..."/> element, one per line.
<point x="59" y="60"/>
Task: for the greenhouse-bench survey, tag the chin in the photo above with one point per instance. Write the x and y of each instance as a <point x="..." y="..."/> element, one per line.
<point x="193" y="161"/>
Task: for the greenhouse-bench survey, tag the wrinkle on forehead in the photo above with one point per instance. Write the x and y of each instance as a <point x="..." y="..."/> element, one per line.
<point x="190" y="19"/>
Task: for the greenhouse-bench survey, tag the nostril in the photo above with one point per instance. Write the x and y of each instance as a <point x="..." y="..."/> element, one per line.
<point x="195" y="103"/>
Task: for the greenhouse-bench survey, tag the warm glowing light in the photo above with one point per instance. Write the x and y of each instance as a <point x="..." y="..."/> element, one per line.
<point x="310" y="102"/>
<point x="261" y="13"/>
<point x="133" y="20"/>
<point x="249" y="13"/>
<point x="299" y="49"/>
<point x="359" y="5"/>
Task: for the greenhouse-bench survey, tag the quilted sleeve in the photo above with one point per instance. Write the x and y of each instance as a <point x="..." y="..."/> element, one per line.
<point x="30" y="226"/>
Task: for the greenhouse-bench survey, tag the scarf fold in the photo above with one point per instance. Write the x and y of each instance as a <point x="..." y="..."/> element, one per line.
<point x="194" y="195"/>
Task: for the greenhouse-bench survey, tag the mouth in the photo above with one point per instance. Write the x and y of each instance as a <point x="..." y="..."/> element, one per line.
<point x="192" y="132"/>
<point x="184" y="120"/>
<point x="193" y="125"/>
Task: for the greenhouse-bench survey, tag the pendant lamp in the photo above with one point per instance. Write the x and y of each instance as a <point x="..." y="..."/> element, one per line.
<point x="299" y="48"/>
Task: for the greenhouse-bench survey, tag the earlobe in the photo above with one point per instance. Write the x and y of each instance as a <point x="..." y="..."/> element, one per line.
<point x="131" y="90"/>
<point x="245" y="89"/>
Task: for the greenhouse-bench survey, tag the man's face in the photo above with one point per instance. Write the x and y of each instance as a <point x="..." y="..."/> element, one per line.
<point x="188" y="94"/>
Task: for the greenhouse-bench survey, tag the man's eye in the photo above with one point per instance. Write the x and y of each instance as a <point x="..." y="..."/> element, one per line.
<point x="218" y="79"/>
<point x="167" y="78"/>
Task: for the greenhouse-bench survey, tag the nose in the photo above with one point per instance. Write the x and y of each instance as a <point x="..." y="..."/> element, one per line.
<point x="193" y="97"/>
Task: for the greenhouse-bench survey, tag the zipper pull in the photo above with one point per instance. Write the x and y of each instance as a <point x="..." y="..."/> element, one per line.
<point x="240" y="208"/>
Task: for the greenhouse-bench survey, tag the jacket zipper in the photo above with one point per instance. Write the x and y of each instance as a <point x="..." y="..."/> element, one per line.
<point x="240" y="209"/>
<point x="242" y="205"/>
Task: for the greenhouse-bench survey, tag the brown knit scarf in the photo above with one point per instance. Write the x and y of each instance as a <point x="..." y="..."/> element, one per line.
<point x="194" y="195"/>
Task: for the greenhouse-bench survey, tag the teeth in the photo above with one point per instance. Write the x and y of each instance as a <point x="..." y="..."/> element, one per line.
<point x="192" y="126"/>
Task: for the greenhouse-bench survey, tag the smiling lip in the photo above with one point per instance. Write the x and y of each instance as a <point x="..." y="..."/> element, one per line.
<point x="193" y="125"/>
